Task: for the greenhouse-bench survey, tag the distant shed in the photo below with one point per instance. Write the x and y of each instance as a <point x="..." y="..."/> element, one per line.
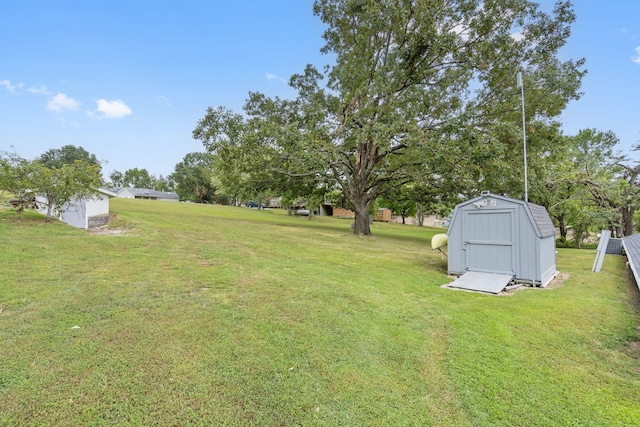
<point x="383" y="215"/>
<point x="497" y="234"/>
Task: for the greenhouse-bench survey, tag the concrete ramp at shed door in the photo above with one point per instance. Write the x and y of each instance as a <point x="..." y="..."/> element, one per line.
<point x="483" y="282"/>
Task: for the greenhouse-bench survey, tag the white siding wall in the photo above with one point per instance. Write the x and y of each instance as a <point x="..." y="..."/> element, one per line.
<point x="125" y="193"/>
<point x="98" y="206"/>
<point x="75" y="214"/>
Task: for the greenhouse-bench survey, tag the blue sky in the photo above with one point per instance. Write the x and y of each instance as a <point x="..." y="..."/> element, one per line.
<point x="128" y="80"/>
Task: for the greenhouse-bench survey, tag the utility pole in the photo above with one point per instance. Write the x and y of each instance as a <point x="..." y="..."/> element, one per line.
<point x="524" y="136"/>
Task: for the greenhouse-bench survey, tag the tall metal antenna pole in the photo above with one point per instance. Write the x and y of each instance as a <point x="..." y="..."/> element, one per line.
<point x="524" y="137"/>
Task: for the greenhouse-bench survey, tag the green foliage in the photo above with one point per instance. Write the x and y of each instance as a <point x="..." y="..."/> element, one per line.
<point x="162" y="183"/>
<point x="16" y="178"/>
<point x="138" y="178"/>
<point x="194" y="177"/>
<point x="57" y="185"/>
<point x="417" y="87"/>
<point x="117" y="179"/>
<point x="582" y="181"/>
<point x="141" y="178"/>
<point x="67" y="155"/>
<point x="400" y="200"/>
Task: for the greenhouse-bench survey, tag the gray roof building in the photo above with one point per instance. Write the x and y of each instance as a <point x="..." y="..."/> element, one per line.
<point x="145" y="193"/>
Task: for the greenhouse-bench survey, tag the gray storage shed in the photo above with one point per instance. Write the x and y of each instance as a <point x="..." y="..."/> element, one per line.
<point x="497" y="234"/>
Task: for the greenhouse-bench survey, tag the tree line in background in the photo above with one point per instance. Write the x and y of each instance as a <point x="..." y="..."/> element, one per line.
<point x="585" y="184"/>
<point x="140" y="178"/>
<point x="418" y="112"/>
<point x="582" y="180"/>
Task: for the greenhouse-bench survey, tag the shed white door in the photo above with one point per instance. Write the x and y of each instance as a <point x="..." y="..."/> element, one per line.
<point x="489" y="240"/>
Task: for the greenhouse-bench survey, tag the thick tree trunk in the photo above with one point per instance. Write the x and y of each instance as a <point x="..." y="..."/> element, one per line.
<point x="360" y="190"/>
<point x="627" y="220"/>
<point x="563" y="229"/>
<point x="361" y="225"/>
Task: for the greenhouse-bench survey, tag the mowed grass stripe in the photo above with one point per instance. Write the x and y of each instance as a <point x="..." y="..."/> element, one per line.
<point x="205" y="314"/>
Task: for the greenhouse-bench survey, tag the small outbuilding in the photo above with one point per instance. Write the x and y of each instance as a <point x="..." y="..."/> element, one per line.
<point x="497" y="235"/>
<point x="87" y="213"/>
<point x="383" y="215"/>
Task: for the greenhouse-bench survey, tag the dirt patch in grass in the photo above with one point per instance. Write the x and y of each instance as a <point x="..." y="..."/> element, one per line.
<point x="558" y="281"/>
<point x="634" y="350"/>
<point x="106" y="231"/>
<point x="115" y="227"/>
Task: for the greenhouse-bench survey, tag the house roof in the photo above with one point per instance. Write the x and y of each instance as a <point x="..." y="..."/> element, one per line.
<point x="147" y="192"/>
<point x="107" y="191"/>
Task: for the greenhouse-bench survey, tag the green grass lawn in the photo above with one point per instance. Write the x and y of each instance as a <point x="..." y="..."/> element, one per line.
<point x="213" y="315"/>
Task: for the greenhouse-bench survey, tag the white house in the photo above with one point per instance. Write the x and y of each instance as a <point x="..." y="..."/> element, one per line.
<point x="145" y="193"/>
<point x="124" y="193"/>
<point x="86" y="214"/>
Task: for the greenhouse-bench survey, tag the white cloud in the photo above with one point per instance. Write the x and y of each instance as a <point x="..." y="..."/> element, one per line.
<point x="271" y="77"/>
<point x="626" y="32"/>
<point x="115" y="109"/>
<point x="164" y="100"/>
<point x="7" y="84"/>
<point x="636" y="58"/>
<point x="461" y="30"/>
<point x="61" y="103"/>
<point x="519" y="36"/>
<point x="39" y="91"/>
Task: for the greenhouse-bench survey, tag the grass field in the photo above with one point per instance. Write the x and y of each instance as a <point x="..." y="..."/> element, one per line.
<point x="213" y="315"/>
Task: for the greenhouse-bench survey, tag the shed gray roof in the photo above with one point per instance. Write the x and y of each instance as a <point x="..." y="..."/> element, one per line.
<point x="542" y="220"/>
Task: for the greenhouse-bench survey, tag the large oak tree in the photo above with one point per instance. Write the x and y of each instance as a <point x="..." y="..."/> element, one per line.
<point x="411" y="79"/>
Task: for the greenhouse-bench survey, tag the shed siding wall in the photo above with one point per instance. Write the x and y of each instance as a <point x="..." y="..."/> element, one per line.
<point x="547" y="259"/>
<point x="344" y="213"/>
<point x="455" y="255"/>
<point x="126" y="193"/>
<point x="98" y="206"/>
<point x="527" y="247"/>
